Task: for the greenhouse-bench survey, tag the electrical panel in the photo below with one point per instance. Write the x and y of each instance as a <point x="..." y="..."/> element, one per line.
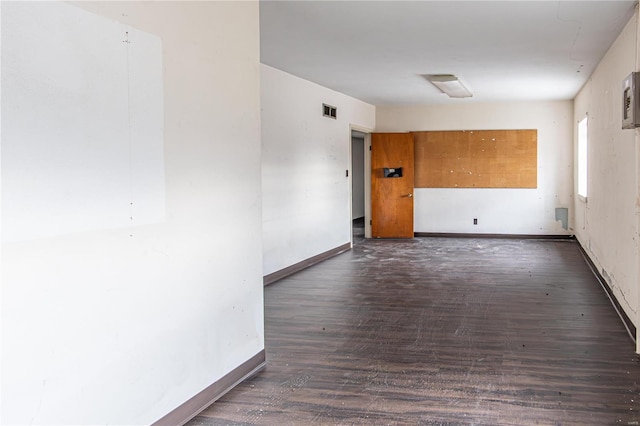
<point x="631" y="101"/>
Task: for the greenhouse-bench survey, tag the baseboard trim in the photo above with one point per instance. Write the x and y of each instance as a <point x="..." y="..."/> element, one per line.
<point x="511" y="236"/>
<point x="628" y="324"/>
<point x="290" y="270"/>
<point x="202" y="400"/>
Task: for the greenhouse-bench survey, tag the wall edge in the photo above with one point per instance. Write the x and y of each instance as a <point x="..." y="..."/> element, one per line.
<point x="297" y="267"/>
<point x="626" y="321"/>
<point x="197" y="403"/>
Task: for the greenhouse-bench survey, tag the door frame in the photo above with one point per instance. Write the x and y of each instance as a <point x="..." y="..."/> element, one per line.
<point x="367" y="179"/>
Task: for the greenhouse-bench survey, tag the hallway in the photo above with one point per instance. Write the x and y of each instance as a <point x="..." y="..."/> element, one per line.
<point x="441" y="331"/>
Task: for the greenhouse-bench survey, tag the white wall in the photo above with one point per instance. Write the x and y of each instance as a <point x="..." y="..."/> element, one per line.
<point x="500" y="211"/>
<point x="306" y="194"/>
<point x="606" y="223"/>
<point x="357" y="177"/>
<point x="120" y="325"/>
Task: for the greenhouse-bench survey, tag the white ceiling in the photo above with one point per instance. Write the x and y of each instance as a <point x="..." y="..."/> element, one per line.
<point x="378" y="51"/>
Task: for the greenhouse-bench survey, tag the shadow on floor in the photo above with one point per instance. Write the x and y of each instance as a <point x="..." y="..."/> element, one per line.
<point x="358" y="229"/>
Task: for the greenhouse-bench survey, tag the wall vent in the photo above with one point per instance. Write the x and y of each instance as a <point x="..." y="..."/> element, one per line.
<point x="329" y="111"/>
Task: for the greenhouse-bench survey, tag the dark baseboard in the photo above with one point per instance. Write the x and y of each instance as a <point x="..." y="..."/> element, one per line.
<point x="278" y="275"/>
<point x="631" y="329"/>
<point x="513" y="236"/>
<point x="202" y="400"/>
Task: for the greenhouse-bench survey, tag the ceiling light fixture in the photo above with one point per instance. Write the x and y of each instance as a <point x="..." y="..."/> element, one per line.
<point x="449" y="84"/>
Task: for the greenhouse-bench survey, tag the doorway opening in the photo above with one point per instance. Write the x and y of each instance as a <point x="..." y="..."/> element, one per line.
<point x="358" y="210"/>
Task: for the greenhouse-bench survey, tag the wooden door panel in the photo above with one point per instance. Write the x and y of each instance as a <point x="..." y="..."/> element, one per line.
<point x="392" y="197"/>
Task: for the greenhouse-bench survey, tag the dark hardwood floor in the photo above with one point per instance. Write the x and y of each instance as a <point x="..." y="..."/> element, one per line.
<point x="441" y="331"/>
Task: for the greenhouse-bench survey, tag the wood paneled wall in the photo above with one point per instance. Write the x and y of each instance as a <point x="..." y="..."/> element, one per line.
<point x="476" y="159"/>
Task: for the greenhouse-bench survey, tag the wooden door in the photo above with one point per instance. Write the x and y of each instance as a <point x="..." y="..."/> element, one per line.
<point x="392" y="195"/>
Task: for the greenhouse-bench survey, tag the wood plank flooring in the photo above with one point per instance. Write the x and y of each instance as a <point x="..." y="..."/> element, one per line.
<point x="441" y="331"/>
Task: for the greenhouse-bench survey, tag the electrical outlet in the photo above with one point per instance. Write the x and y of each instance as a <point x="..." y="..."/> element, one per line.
<point x="475" y="221"/>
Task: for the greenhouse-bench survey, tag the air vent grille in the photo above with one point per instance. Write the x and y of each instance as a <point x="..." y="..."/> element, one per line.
<point x="329" y="111"/>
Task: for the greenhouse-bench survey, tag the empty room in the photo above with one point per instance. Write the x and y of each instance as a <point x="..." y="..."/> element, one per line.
<point x="312" y="212"/>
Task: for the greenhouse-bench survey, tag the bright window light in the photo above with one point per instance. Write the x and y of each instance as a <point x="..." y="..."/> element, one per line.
<point x="582" y="157"/>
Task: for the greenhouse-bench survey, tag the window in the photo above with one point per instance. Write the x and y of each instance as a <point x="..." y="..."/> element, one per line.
<point x="582" y="157"/>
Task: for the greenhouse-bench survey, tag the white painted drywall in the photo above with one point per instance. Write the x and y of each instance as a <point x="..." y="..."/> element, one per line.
<point x="306" y="194"/>
<point x="357" y="177"/>
<point x="606" y="223"/>
<point x="500" y="211"/>
<point x="636" y="17"/>
<point x="110" y="177"/>
<point x="120" y="325"/>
